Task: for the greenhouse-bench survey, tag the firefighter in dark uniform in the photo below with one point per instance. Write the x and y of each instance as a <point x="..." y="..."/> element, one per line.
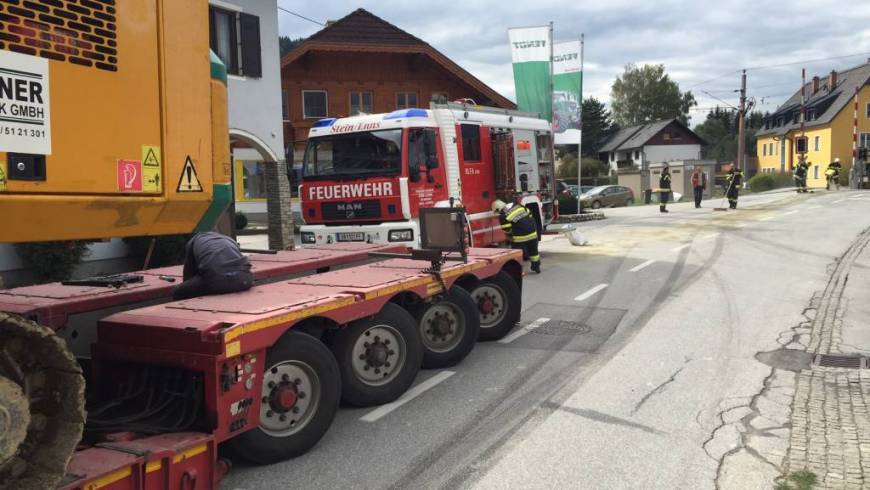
<point x="664" y="189"/>
<point x="213" y="264"/>
<point x="833" y="174"/>
<point x="519" y="226"/>
<point x="734" y="179"/>
<point x="800" y="176"/>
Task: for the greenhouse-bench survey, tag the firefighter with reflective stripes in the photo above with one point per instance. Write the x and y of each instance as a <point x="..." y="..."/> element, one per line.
<point x="519" y="226"/>
<point x="734" y="179"/>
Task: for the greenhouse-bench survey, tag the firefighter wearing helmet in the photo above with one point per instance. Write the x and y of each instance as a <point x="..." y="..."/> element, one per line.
<point x="832" y="174"/>
<point x="519" y="226"/>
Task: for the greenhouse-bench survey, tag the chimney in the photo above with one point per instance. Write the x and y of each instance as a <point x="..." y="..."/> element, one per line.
<point x="815" y="85"/>
<point x="832" y="80"/>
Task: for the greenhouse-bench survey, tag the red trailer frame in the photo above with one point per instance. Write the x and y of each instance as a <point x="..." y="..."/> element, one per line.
<point x="225" y="338"/>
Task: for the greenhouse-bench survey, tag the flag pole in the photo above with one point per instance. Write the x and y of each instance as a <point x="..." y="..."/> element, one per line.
<point x="580" y="139"/>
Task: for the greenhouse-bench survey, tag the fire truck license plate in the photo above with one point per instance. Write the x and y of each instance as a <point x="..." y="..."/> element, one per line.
<point x="353" y="236"/>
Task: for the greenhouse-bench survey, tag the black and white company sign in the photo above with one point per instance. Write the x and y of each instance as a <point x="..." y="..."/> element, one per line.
<point x="25" y="115"/>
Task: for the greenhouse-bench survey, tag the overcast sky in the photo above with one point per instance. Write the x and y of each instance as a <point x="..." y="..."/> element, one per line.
<point x="697" y="40"/>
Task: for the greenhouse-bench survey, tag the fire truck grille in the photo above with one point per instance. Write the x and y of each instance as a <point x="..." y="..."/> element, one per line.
<point x="81" y="32"/>
<point x="340" y="211"/>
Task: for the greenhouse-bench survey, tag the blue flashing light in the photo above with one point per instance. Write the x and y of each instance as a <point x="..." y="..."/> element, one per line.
<point x="325" y="123"/>
<point x="407" y="113"/>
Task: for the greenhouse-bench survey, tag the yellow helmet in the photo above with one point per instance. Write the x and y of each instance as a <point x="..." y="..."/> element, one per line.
<point x="498" y="205"/>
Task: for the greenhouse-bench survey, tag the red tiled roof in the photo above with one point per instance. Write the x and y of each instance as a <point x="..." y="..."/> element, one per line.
<point x="363" y="31"/>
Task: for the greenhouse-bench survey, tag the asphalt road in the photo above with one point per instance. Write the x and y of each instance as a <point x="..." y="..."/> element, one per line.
<point x="630" y="354"/>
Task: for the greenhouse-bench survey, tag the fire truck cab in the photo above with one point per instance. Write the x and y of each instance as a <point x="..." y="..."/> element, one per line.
<point x="366" y="177"/>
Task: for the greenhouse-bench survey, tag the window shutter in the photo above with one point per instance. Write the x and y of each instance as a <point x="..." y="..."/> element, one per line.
<point x="251" y="63"/>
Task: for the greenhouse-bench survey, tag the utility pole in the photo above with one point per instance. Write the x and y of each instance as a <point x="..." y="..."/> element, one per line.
<point x="580" y="141"/>
<point x="741" y="125"/>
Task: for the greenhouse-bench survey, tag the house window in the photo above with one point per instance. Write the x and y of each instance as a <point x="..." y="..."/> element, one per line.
<point x="815" y="171"/>
<point x="666" y="136"/>
<point x="780" y="121"/>
<point x="470" y="143"/>
<point x="360" y="103"/>
<point x="817" y="143"/>
<point x="796" y="117"/>
<point x="235" y="38"/>
<point x="864" y="141"/>
<point x="314" y="104"/>
<point x="764" y="150"/>
<point x="636" y="155"/>
<point x="285" y="106"/>
<point x="406" y="100"/>
<point x="868" y="110"/>
<point x="811" y="114"/>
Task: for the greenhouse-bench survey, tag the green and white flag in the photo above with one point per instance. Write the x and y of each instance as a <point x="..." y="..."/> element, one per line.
<point x="530" y="52"/>
<point x="567" y="92"/>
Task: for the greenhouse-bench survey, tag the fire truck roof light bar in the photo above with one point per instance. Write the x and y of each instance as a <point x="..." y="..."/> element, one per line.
<point x="407" y="113"/>
<point x="325" y="123"/>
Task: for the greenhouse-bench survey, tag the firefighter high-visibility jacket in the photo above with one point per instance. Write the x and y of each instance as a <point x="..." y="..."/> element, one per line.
<point x="517" y="223"/>
<point x="734" y="178"/>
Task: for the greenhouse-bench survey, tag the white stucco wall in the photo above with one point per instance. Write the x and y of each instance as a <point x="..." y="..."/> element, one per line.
<point x="255" y="103"/>
<point x="667" y="153"/>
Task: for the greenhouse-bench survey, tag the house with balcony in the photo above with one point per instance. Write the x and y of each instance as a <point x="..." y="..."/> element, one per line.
<point x="829" y="122"/>
<point x="635" y="147"/>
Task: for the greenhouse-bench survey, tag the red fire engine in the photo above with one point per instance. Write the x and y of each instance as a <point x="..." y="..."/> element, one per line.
<point x="366" y="177"/>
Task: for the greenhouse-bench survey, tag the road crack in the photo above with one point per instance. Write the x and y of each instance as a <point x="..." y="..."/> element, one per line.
<point x="660" y="388"/>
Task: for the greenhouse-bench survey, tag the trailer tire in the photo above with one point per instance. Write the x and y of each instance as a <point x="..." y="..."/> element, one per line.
<point x="498" y="300"/>
<point x="301" y="365"/>
<point x="449" y="329"/>
<point x="378" y="357"/>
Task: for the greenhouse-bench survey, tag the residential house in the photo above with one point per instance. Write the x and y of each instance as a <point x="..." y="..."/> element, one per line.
<point x="244" y="34"/>
<point x="632" y="150"/>
<point x="635" y="147"/>
<point x="828" y="127"/>
<point x="363" y="64"/>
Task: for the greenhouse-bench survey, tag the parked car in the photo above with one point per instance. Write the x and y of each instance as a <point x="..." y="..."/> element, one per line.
<point x="565" y="189"/>
<point x="607" y="196"/>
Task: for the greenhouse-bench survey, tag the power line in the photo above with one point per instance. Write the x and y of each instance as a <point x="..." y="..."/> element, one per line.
<point x="720" y="100"/>
<point x="300" y="16"/>
<point x="778" y="65"/>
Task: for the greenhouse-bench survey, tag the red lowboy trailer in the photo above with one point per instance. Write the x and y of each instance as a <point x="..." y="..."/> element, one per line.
<point x="261" y="370"/>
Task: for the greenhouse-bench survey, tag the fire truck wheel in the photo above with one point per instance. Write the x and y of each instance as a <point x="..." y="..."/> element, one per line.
<point x="300" y="395"/>
<point x="378" y="357"/>
<point x="498" y="300"/>
<point x="448" y="328"/>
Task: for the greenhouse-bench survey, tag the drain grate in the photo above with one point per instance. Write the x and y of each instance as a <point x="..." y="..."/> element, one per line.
<point x="562" y="327"/>
<point x="841" y="361"/>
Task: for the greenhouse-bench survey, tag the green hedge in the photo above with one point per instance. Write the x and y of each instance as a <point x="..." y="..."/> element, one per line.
<point x="52" y="261"/>
<point x="761" y="182"/>
<point x="567" y="204"/>
<point x="168" y="250"/>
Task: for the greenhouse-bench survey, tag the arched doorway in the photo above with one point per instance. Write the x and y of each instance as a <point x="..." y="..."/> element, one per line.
<point x="260" y="186"/>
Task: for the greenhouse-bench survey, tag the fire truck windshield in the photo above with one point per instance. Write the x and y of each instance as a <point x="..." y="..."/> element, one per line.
<point x="351" y="155"/>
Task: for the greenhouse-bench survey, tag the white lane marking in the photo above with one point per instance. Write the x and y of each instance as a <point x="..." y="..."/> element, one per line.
<point x="591" y="292"/>
<point x="837" y="201"/>
<point x="524" y="330"/>
<point x="765" y="218"/>
<point x="788" y="213"/>
<point x="681" y="247"/>
<point x="641" y="266"/>
<point x="409" y="395"/>
<point x="711" y="235"/>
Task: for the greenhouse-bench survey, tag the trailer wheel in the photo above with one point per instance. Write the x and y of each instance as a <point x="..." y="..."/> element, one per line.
<point x="448" y="328"/>
<point x="300" y="396"/>
<point x="498" y="300"/>
<point x="378" y="357"/>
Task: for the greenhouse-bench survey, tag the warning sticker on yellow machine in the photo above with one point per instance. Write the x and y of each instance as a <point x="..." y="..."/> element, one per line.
<point x="189" y="182"/>
<point x="151" y="169"/>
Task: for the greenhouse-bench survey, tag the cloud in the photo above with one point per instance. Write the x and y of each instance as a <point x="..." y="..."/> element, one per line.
<point x="696" y="40"/>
